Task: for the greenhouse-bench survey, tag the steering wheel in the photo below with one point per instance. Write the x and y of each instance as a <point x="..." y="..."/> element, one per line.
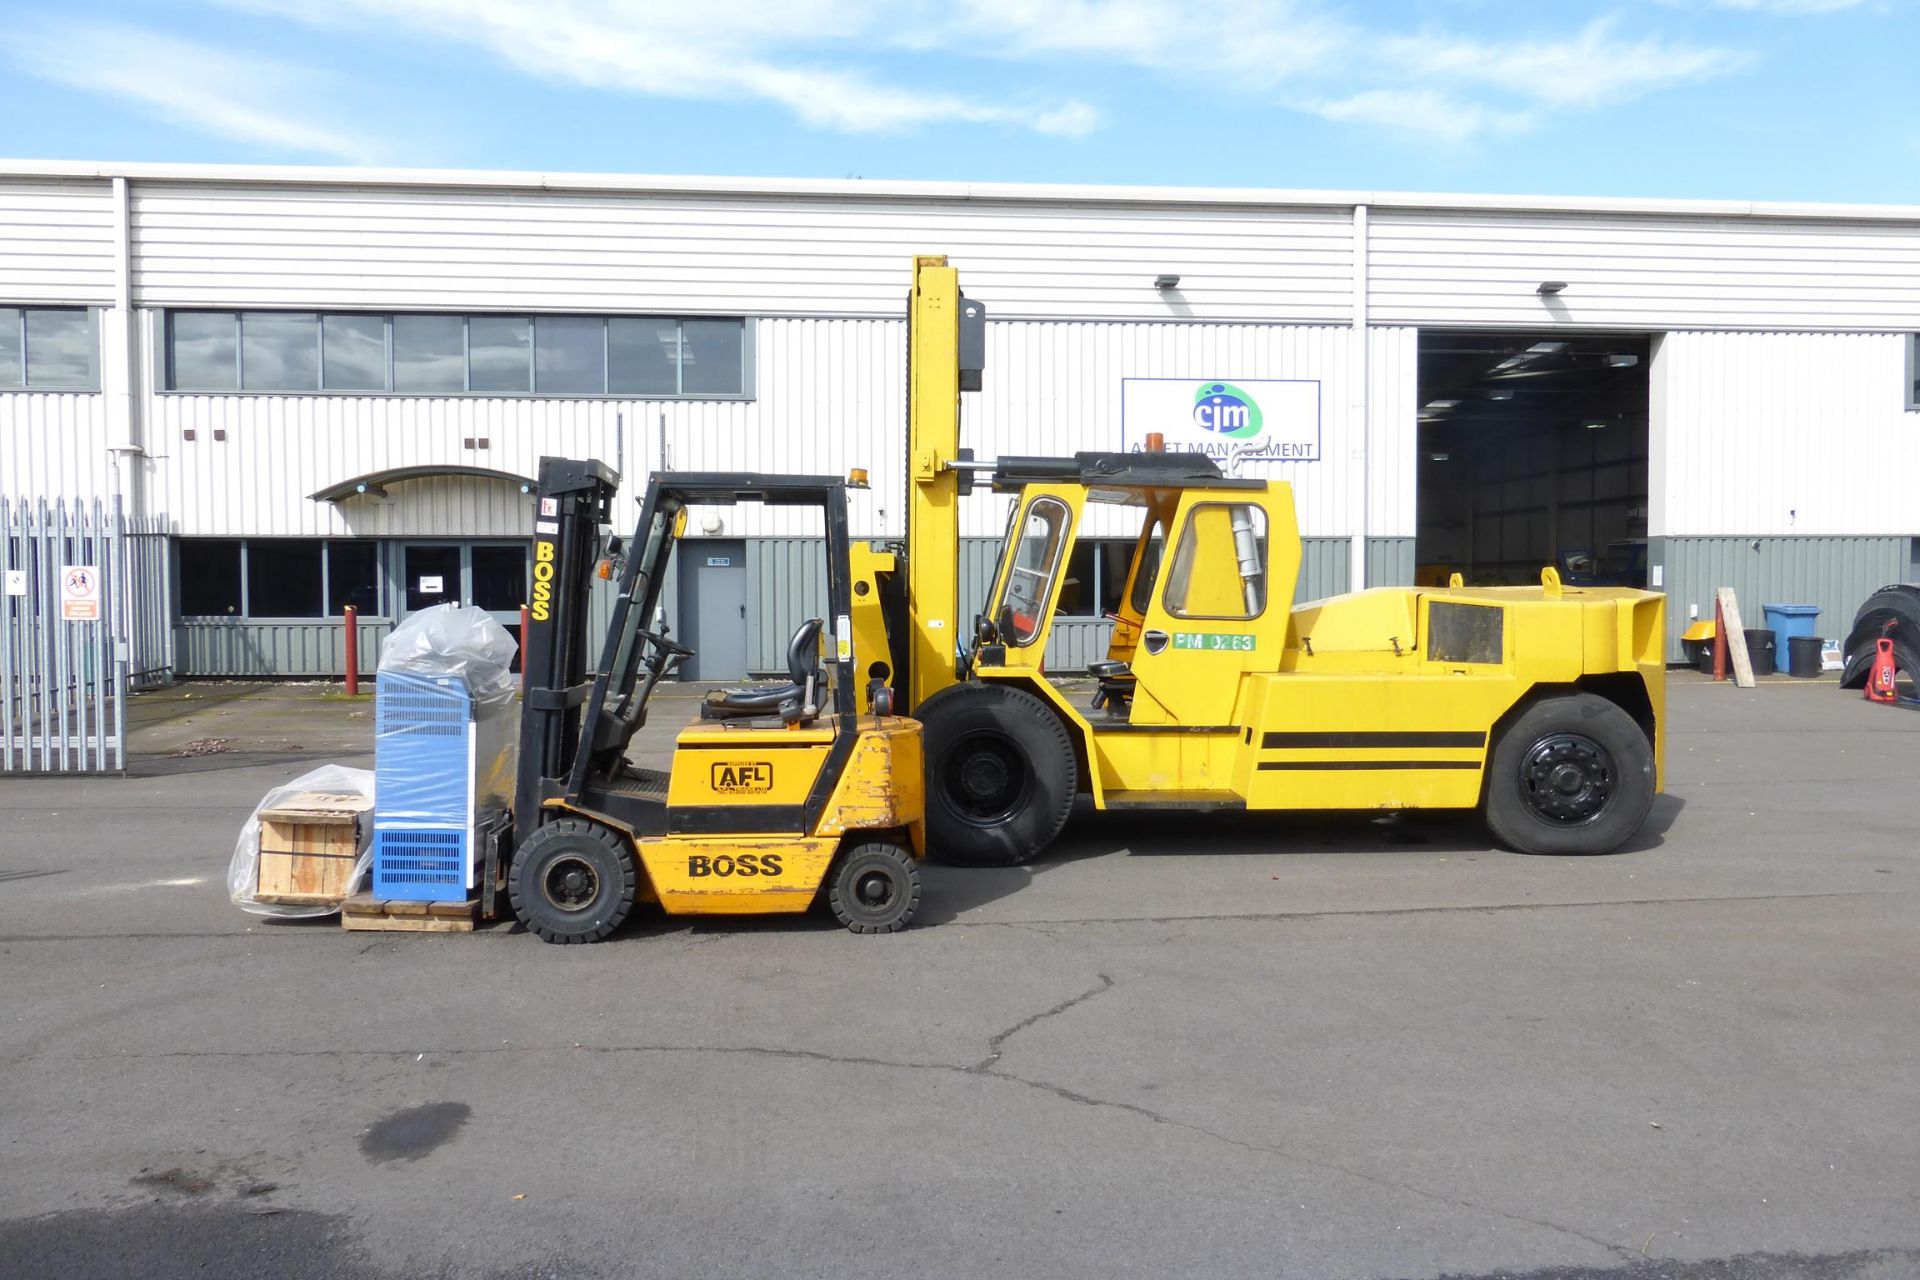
<point x="666" y="647"/>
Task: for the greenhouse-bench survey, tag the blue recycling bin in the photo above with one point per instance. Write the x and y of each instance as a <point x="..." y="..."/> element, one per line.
<point x="1787" y="621"/>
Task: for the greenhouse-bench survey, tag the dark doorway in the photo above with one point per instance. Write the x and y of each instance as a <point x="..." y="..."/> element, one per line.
<point x="1533" y="452"/>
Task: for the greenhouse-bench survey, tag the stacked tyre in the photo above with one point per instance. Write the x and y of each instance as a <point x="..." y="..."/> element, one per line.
<point x="1892" y="611"/>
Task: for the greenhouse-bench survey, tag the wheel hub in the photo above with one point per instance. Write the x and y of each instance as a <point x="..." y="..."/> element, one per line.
<point x="1568" y="778"/>
<point x="874" y="890"/>
<point x="570" y="884"/>
<point x="987" y="778"/>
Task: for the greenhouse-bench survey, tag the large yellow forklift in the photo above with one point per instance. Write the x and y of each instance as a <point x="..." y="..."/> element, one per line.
<point x="1544" y="707"/>
<point x="779" y="795"/>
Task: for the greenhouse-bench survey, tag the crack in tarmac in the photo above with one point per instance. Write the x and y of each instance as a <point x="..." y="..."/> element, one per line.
<point x="987" y="1067"/>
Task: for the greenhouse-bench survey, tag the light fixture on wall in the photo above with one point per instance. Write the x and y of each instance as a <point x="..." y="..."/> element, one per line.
<point x="1596" y="426"/>
<point x="1166" y="280"/>
<point x="1550" y="287"/>
<point x="1618" y="360"/>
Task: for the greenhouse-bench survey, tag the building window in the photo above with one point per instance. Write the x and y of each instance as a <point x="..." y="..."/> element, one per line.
<point x="500" y="354"/>
<point x="1095" y="578"/>
<point x="210" y="581"/>
<point x="643" y="356"/>
<point x="279" y="351"/>
<point x="203" y="351"/>
<point x="47" y="349"/>
<point x="277" y="577"/>
<point x="429" y="354"/>
<point x="653" y="357"/>
<point x="569" y="355"/>
<point x="353" y="353"/>
<point x="1913" y="371"/>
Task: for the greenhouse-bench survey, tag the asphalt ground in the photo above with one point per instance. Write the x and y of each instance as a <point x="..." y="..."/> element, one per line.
<point x="1302" y="1046"/>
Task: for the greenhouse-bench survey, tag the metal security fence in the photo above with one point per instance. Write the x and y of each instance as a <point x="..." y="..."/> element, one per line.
<point x="84" y="607"/>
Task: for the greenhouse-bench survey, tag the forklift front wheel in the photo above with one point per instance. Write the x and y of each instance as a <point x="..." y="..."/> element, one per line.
<point x="875" y="888"/>
<point x="572" y="881"/>
<point x="1574" y="774"/>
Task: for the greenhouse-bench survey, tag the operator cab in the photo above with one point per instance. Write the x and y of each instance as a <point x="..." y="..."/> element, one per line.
<point x="1218" y="573"/>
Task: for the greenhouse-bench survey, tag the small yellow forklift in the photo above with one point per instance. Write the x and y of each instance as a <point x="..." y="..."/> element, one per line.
<point x="779" y="794"/>
<point x="1544" y="707"/>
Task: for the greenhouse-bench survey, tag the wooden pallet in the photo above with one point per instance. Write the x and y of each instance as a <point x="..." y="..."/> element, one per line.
<point x="364" y="911"/>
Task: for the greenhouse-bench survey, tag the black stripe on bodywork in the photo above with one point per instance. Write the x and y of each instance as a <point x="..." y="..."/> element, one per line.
<point x="736" y="819"/>
<point x="1368" y="738"/>
<point x="1361" y="765"/>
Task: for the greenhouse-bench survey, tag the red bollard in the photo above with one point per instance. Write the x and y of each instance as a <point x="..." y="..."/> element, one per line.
<point x="1719" y="642"/>
<point x="352" y="617"/>
<point x="526" y="616"/>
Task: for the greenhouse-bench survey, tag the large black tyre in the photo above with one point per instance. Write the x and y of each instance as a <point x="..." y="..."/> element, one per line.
<point x="1574" y="774"/>
<point x="572" y="881"/>
<point x="1001" y="774"/>
<point x="1898" y="604"/>
<point x="874" y="888"/>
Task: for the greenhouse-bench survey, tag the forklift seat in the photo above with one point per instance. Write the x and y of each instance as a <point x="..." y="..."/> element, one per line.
<point x="1116" y="686"/>
<point x="795" y="702"/>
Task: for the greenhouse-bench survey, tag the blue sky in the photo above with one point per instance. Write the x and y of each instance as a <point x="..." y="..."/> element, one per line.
<point x="1743" y="99"/>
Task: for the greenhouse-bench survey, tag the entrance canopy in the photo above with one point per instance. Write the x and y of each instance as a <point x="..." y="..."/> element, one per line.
<point x="376" y="483"/>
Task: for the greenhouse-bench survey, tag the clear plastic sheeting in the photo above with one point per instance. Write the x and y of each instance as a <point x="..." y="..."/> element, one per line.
<point x="455" y="640"/>
<point x="243" y="873"/>
<point x="446" y="725"/>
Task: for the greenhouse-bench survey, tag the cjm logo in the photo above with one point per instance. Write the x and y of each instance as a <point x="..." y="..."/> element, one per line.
<point x="1226" y="410"/>
<point x="743" y="777"/>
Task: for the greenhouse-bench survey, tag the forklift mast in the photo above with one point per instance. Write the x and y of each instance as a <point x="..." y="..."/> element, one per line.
<point x="575" y="502"/>
<point x="946" y="353"/>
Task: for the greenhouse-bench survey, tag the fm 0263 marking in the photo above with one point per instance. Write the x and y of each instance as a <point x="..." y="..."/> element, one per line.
<point x="542" y="605"/>
<point x="743" y="777"/>
<point x="1213" y="641"/>
<point x="747" y="864"/>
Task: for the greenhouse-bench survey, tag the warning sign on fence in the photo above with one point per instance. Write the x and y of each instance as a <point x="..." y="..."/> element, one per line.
<point x="80" y="593"/>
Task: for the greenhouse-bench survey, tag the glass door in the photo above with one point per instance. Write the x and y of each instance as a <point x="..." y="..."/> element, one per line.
<point x="430" y="574"/>
<point x="497" y="582"/>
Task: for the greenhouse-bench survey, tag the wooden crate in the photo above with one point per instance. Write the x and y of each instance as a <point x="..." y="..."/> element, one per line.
<point x="364" y="911"/>
<point x="308" y="846"/>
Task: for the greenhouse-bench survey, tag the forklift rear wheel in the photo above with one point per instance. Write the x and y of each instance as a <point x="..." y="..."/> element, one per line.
<point x="572" y="881"/>
<point x="875" y="888"/>
<point x="1574" y="774"/>
<point x="1001" y="774"/>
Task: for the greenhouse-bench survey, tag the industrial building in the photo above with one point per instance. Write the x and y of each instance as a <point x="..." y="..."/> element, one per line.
<point x="332" y="386"/>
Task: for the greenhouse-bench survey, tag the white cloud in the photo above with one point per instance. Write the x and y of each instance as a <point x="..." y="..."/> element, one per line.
<point x="1589" y="69"/>
<point x="231" y="94"/>
<point x="723" y="50"/>
<point x="1792" y="6"/>
<point x="875" y="66"/>
<point x="1420" y="112"/>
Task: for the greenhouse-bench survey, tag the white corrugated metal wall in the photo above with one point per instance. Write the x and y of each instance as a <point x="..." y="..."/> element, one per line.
<point x="1456" y="269"/>
<point x="56" y="242"/>
<point x="1745" y="418"/>
<point x="276" y="245"/>
<point x="1788" y="434"/>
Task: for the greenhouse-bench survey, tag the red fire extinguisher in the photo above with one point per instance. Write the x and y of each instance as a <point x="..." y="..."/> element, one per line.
<point x="1880" y="678"/>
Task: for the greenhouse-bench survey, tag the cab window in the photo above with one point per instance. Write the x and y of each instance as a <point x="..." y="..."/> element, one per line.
<point x="1148" y="573"/>
<point x="1219" y="568"/>
<point x="1043" y="535"/>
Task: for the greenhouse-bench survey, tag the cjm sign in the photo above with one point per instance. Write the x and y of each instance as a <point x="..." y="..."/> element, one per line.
<point x="743" y="777"/>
